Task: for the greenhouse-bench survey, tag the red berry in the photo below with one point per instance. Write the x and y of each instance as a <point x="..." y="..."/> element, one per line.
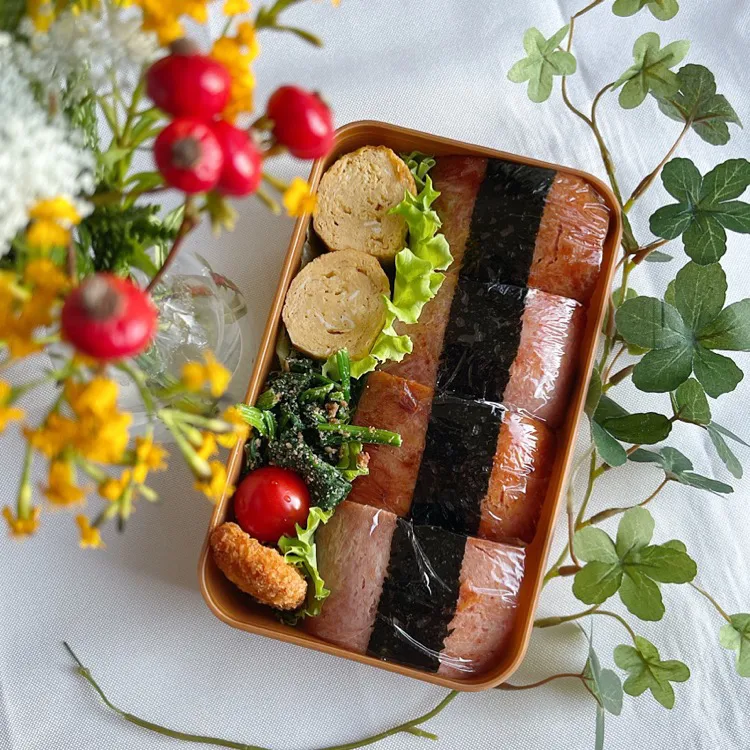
<point x="107" y="317"/>
<point x="243" y="162"/>
<point x="301" y="121"/>
<point x="188" y="84"/>
<point x="189" y="155"/>
<point x="268" y="503"/>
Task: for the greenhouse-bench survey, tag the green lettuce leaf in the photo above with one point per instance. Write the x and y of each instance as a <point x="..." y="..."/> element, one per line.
<point x="300" y="550"/>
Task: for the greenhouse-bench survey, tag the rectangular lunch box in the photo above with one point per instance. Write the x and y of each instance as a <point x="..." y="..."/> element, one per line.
<point x="235" y="608"/>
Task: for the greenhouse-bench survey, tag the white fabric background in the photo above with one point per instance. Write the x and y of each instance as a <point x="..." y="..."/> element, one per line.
<point x="134" y="612"/>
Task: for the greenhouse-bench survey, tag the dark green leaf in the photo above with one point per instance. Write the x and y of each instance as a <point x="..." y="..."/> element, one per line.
<point x="608" y="409"/>
<point x="661" y="9"/>
<point x="647" y="428"/>
<point x="671" y="221"/>
<point x="682" y="180"/>
<point x="11" y="13"/>
<point x="648" y="672"/>
<point x="699" y="294"/>
<point x="651" y="70"/>
<point x="698" y="103"/>
<point x="543" y="61"/>
<point x="735" y="636"/>
<point x="642" y="456"/>
<point x="724" y="431"/>
<point x="724" y="452"/>
<point x="704" y="483"/>
<point x="725" y="182"/>
<point x="651" y="323"/>
<point x="664" y="369"/>
<point x="729" y="330"/>
<point x="705" y="239"/>
<point x="716" y="373"/>
<point x="669" y="294"/>
<point x="657" y="256"/>
<point x="609" y="450"/>
<point x="691" y="403"/>
<point x="674" y="461"/>
<point x="594" y="392"/>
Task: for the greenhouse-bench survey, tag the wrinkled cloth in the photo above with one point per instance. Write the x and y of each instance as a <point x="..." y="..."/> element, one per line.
<point x="134" y="613"/>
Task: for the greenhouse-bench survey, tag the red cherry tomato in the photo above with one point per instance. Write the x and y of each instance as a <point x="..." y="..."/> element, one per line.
<point x="243" y="162"/>
<point x="107" y="317"/>
<point x="301" y="121"/>
<point x="189" y="156"/>
<point x="188" y="84"/>
<point x="269" y="501"/>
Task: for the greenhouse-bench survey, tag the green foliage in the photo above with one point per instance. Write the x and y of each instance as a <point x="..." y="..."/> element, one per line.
<point x="11" y="13"/>
<point x="648" y="672"/>
<point x="706" y="207"/>
<point x="691" y="404"/>
<point x="544" y="60"/>
<point x="630" y="565"/>
<point x="723" y="451"/>
<point x="697" y="102"/>
<point x="735" y="636"/>
<point x="604" y="684"/>
<point x="661" y="9"/>
<point x="681" y="336"/>
<point x="677" y="467"/>
<point x="650" y="71"/>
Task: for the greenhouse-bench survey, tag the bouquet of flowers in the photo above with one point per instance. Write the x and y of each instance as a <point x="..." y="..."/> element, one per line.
<point x="84" y="86"/>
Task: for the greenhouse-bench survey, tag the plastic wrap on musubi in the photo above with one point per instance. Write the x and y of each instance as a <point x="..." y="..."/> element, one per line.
<point x="512" y="345"/>
<point x="484" y="472"/>
<point x="419" y="596"/>
<point x="403" y="406"/>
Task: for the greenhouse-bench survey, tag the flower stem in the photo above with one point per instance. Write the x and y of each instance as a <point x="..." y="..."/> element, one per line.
<point x="507" y="686"/>
<point x="23" y="502"/>
<point x="603" y="515"/>
<point x="617" y="617"/>
<point x="275" y="182"/>
<point x="593" y="475"/>
<point x="550" y="622"/>
<point x="188" y="223"/>
<point x="410" y="727"/>
<point x="138" y="378"/>
<point x="713" y="601"/>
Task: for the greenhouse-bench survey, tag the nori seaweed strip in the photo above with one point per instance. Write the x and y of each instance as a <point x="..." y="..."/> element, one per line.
<point x="457" y="463"/>
<point x="506" y="218"/>
<point x="419" y="596"/>
<point x="481" y="340"/>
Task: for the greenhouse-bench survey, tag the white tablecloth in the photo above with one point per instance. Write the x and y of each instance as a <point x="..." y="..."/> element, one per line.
<point x="134" y="613"/>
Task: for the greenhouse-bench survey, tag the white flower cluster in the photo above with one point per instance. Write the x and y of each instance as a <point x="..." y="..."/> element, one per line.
<point x="103" y="42"/>
<point x="39" y="156"/>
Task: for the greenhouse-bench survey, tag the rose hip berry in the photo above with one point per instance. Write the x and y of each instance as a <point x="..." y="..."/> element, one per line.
<point x="107" y="317"/>
<point x="243" y="162"/>
<point x="301" y="121"/>
<point x="188" y="84"/>
<point x="189" y="156"/>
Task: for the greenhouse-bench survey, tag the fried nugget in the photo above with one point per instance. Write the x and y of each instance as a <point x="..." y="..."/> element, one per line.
<point x="259" y="571"/>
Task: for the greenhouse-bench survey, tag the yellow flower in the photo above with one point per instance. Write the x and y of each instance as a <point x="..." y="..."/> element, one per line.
<point x="61" y="488"/>
<point x="214" y="486"/>
<point x="236" y="54"/>
<point x="247" y="37"/>
<point x="8" y="413"/>
<point x="52" y="219"/>
<point x="240" y="432"/>
<point x="22" y="526"/>
<point x="56" y="209"/>
<point x="97" y="398"/>
<point x="208" y="447"/>
<point x="53" y="436"/>
<point x="42" y="14"/>
<point x="111" y="488"/>
<point x="298" y="199"/>
<point x="163" y="16"/>
<point x="103" y="440"/>
<point x="44" y="235"/>
<point x="236" y="7"/>
<point x="91" y="538"/>
<point x="149" y="454"/>
<point x="195" y="375"/>
<point x="45" y="276"/>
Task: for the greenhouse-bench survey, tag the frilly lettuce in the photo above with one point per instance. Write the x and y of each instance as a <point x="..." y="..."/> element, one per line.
<point x="300" y="550"/>
<point x="418" y="267"/>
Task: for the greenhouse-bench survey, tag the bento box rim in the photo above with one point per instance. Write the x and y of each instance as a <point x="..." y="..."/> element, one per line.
<point x="271" y="628"/>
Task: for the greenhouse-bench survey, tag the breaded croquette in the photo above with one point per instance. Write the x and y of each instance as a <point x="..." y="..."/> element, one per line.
<point x="259" y="571"/>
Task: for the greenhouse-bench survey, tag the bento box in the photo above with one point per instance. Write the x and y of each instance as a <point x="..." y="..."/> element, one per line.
<point x="238" y="610"/>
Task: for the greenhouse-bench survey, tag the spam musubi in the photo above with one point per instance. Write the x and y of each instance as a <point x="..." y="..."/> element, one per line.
<point x="399" y="481"/>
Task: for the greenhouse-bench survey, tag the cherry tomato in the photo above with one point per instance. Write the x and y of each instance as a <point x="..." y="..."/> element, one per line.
<point x="268" y="503"/>
<point x="189" y="156"/>
<point x="301" y="121"/>
<point x="243" y="164"/>
<point x="107" y="317"/>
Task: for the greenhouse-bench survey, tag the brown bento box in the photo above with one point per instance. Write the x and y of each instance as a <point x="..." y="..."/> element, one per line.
<point x="234" y="608"/>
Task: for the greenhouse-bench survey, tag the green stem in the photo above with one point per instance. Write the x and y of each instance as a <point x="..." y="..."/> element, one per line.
<point x="589" y="488"/>
<point x="275" y="182"/>
<point x="507" y="686"/>
<point x="109" y="512"/>
<point x="137" y="376"/>
<point x="410" y="727"/>
<point x="197" y="464"/>
<point x="23" y="502"/>
<point x="186" y="226"/>
<point x="713" y="601"/>
<point x="610" y="512"/>
<point x="619" y="376"/>
<point x="361" y="434"/>
<point x="617" y="617"/>
<point x="271" y="204"/>
<point x="550" y="622"/>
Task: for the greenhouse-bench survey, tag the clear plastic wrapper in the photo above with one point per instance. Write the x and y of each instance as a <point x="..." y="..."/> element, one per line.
<point x="416" y="595"/>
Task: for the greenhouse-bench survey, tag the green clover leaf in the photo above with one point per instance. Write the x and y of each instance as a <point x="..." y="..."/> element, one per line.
<point x="648" y="672"/>
<point x="691" y="404"/>
<point x="663" y="10"/>
<point x="735" y="636"/>
<point x="543" y="61"/>
<point x="681" y="334"/>
<point x="678" y="468"/>
<point x="604" y="684"/>
<point x="630" y="565"/>
<point x="706" y="207"/>
<point x="698" y="103"/>
<point x="651" y="70"/>
<point x="717" y="433"/>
